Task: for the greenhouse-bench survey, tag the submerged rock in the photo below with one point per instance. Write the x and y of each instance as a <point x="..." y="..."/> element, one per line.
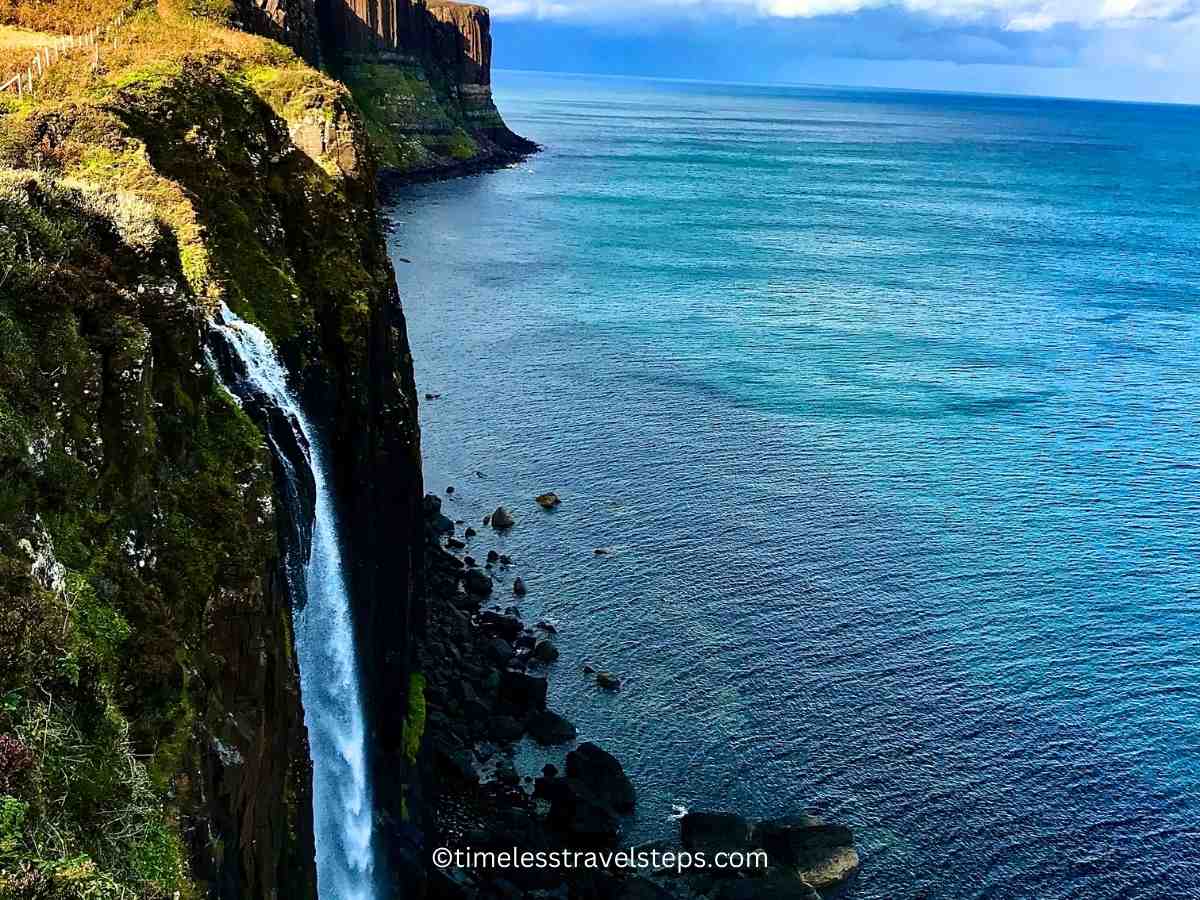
<point x="519" y="587"/>
<point x="608" y="681"/>
<point x="823" y="854"/>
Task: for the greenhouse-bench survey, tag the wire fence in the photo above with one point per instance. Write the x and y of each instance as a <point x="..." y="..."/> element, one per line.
<point x="22" y="84"/>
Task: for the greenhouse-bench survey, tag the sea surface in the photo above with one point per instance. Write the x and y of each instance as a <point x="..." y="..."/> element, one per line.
<point x="887" y="406"/>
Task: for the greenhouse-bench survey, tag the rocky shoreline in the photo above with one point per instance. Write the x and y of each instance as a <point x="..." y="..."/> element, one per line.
<point x="486" y="676"/>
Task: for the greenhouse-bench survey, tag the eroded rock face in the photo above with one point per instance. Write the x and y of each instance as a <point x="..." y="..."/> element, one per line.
<point x="291" y="22"/>
<point x="422" y="69"/>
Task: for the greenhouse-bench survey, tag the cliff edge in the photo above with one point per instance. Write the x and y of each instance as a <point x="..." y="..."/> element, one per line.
<point x="421" y="72"/>
<point x="152" y="738"/>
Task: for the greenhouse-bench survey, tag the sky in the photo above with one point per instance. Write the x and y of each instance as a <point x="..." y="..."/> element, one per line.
<point x="1105" y="49"/>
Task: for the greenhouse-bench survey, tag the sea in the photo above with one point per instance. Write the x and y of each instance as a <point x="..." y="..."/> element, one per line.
<point x="885" y="409"/>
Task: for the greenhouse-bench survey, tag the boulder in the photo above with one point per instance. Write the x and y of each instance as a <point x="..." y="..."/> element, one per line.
<point x="493" y="556"/>
<point x="432" y="507"/>
<point x="577" y="814"/>
<point x="603" y="775"/>
<point x="470" y="532"/>
<point x="508" y="627"/>
<point x="477" y="582"/>
<point x="502" y="519"/>
<point x="505" y="728"/>
<point x="545" y="652"/>
<point x="549" y="500"/>
<point x="775" y="885"/>
<point x="608" y="681"/>
<point x="519" y="587"/>
<point x="550" y="728"/>
<point x="823" y="854"/>
<point x="522" y="691"/>
<point x="639" y="887"/>
<point x="499" y="650"/>
<point x="455" y="544"/>
<point x="713" y="832"/>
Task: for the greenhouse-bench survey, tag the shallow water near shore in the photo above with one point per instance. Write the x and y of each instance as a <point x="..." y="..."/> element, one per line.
<point x="886" y="406"/>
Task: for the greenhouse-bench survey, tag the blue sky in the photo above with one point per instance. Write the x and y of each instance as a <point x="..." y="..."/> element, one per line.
<point x="1112" y="49"/>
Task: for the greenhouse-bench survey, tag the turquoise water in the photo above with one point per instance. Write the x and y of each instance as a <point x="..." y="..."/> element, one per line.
<point x="887" y="405"/>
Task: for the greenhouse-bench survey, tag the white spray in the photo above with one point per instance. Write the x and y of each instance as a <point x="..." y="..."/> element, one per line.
<point x="333" y="707"/>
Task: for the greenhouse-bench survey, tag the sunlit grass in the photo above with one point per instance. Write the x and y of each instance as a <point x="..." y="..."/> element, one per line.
<point x="58" y="16"/>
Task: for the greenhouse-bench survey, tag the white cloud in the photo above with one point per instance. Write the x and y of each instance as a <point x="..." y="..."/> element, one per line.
<point x="1014" y="15"/>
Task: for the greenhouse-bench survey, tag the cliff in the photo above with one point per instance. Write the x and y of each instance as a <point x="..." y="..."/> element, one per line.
<point x="151" y="731"/>
<point x="421" y="71"/>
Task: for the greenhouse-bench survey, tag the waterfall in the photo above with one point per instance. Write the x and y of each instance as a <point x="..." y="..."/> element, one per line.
<point x="329" y="678"/>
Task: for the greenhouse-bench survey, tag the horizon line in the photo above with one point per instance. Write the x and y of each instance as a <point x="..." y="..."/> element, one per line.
<point x="1185" y="104"/>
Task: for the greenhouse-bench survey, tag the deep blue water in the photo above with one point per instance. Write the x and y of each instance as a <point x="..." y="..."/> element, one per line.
<point x="888" y="405"/>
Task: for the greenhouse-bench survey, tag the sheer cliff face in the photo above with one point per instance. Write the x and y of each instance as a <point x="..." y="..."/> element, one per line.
<point x="139" y="560"/>
<point x="421" y="70"/>
<point x="291" y="22"/>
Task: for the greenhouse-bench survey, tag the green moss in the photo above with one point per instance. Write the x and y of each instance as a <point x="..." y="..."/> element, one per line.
<point x="414" y="721"/>
<point x="461" y="146"/>
<point x="13" y="813"/>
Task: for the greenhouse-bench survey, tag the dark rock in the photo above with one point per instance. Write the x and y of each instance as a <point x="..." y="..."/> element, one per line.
<point x="505" y="728"/>
<point x="493" y="556"/>
<point x="454" y="762"/>
<point x="506" y="773"/>
<point x="505" y="559"/>
<point x="469" y="561"/>
<point x="455" y="544"/>
<point x="519" y="587"/>
<point x="580" y="817"/>
<point x="545" y="652"/>
<point x="548" y="500"/>
<point x="776" y="885"/>
<point x="433" y="396"/>
<point x="470" y="532"/>
<point x="603" y="775"/>
<point x="550" y="728"/>
<point x="608" y="681"/>
<point x="432" y="506"/>
<point x="588" y="670"/>
<point x="550" y="770"/>
<point x="508" y="627"/>
<point x="502" y="519"/>
<point x="526" y="692"/>
<point x="714" y="832"/>
<point x="499" y="650"/>
<point x="600" y="551"/>
<point x="451" y="884"/>
<point x="546" y="627"/>
<point x="477" y="582"/>
<point x="638" y="887"/>
<point x="526" y="641"/>
<point x="449" y="491"/>
<point x="824" y="854"/>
